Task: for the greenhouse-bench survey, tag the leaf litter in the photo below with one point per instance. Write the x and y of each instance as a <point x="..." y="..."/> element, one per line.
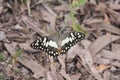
<point x="95" y="58"/>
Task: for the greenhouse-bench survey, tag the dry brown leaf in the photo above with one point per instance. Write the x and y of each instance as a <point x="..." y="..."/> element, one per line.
<point x="1" y="7"/>
<point x="101" y="7"/>
<point x="25" y="46"/>
<point x="33" y="25"/>
<point x="36" y="68"/>
<point x="54" y="76"/>
<point x="75" y="77"/>
<point x="115" y="16"/>
<point x="106" y="75"/>
<point x="49" y="76"/>
<point x="110" y="28"/>
<point x="49" y="9"/>
<point x="87" y="62"/>
<point x="11" y="47"/>
<point x="106" y="19"/>
<point x="16" y="37"/>
<point x="63" y="68"/>
<point x="2" y="36"/>
<point x="106" y="26"/>
<point x="116" y="48"/>
<point x="93" y="21"/>
<point x="47" y="16"/>
<point x="102" y="67"/>
<point x="17" y="27"/>
<point x="110" y="55"/>
<point x="86" y="43"/>
<point x="24" y="59"/>
<point x="101" y="42"/>
<point x="73" y="51"/>
<point x="63" y="7"/>
<point x="69" y="20"/>
<point x="99" y="60"/>
<point x="115" y="5"/>
<point x="54" y="65"/>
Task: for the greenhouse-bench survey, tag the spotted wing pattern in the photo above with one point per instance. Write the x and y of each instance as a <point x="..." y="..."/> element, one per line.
<point x="51" y="47"/>
<point x="46" y="45"/>
<point x="71" y="40"/>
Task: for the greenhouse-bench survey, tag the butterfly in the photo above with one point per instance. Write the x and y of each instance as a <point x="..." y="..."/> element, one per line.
<point x="56" y="45"/>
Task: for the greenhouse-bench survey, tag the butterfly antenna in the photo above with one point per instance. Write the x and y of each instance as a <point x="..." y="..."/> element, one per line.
<point x="62" y="28"/>
<point x="58" y="31"/>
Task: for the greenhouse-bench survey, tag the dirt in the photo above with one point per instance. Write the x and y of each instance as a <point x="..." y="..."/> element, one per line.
<point x="97" y="57"/>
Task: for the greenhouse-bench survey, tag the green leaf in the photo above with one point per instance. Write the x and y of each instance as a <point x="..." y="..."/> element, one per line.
<point x="77" y="28"/>
<point x="24" y="1"/>
<point x="78" y="3"/>
<point x="18" y="53"/>
<point x="1" y="57"/>
<point x="2" y="77"/>
<point x="81" y="2"/>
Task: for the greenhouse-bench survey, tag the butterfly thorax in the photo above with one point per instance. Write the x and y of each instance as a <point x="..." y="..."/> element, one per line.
<point x="57" y="39"/>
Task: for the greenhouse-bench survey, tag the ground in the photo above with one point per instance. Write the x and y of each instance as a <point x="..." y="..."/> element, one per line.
<point x="97" y="57"/>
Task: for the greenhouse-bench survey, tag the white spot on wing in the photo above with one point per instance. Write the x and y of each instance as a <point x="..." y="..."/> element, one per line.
<point x="37" y="41"/>
<point x="63" y="50"/>
<point x="56" y="53"/>
<point x="44" y="40"/>
<point x="71" y="39"/>
<point x="36" y="44"/>
<point x="52" y="52"/>
<point x="52" y="44"/>
<point x="66" y="40"/>
<point x="66" y="48"/>
<point x="72" y="35"/>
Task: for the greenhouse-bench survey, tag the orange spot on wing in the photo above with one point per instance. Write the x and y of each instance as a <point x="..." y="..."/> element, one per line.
<point x="59" y="51"/>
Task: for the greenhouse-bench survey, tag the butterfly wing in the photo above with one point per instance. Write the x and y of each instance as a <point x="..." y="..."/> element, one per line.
<point x="71" y="40"/>
<point x="50" y="46"/>
<point x="46" y="45"/>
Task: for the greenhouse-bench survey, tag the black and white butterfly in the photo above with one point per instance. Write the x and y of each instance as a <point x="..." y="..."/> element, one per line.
<point x="56" y="45"/>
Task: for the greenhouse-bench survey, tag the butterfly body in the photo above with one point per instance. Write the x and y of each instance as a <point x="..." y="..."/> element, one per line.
<point x="56" y="45"/>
